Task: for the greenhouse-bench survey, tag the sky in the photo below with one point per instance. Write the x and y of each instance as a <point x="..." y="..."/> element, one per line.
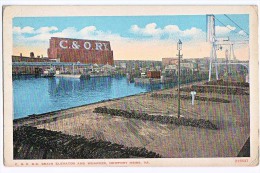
<point x="133" y="37"/>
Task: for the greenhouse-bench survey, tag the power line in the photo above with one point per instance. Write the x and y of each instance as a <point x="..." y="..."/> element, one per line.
<point x="224" y="24"/>
<point x="236" y="24"/>
<point x="229" y="28"/>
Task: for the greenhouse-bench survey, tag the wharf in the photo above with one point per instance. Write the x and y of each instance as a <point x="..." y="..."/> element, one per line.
<point x="168" y="140"/>
<point x="77" y="76"/>
<point x="100" y="75"/>
<point x="147" y="81"/>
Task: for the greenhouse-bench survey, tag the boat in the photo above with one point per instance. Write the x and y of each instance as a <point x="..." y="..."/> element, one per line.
<point x="85" y="77"/>
<point x="48" y="73"/>
<point x="100" y="75"/>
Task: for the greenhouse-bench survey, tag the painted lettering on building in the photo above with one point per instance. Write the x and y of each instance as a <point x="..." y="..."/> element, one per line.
<point x="80" y="50"/>
<point x="64" y="44"/>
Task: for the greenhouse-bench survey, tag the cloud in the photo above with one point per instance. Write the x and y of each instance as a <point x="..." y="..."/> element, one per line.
<point x="224" y="30"/>
<point x="231" y="32"/>
<point x="168" y="32"/>
<point x="38" y="39"/>
<point x="24" y="30"/>
<point x="88" y="29"/>
<point x="43" y="34"/>
<point x="171" y="29"/>
<point x="149" y="42"/>
<point x="46" y="29"/>
<point x="242" y="33"/>
<point x="149" y="30"/>
<point x="31" y="30"/>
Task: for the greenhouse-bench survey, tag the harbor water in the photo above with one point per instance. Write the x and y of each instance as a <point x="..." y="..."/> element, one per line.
<point x="33" y="95"/>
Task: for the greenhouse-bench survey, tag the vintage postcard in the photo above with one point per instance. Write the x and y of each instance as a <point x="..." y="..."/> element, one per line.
<point x="130" y="86"/>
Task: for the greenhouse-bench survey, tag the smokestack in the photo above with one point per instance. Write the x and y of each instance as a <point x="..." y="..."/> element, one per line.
<point x="31" y="55"/>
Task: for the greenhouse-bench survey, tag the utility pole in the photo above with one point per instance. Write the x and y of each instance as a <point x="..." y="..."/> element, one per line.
<point x="179" y="47"/>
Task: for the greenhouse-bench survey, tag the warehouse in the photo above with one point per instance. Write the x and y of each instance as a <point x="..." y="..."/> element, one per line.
<point x="79" y="50"/>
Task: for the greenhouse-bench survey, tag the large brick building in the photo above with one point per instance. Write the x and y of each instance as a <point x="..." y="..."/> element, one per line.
<point x="78" y="50"/>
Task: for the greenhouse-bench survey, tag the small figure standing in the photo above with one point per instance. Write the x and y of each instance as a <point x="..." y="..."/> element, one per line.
<point x="193" y="93"/>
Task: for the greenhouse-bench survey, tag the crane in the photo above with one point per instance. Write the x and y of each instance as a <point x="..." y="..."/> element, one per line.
<point x="217" y="43"/>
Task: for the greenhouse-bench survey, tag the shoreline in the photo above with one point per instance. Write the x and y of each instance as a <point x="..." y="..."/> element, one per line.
<point x="49" y="114"/>
<point x="170" y="140"/>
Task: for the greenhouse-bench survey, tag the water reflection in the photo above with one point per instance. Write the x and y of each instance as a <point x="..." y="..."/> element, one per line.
<point x="67" y="86"/>
<point x="40" y="95"/>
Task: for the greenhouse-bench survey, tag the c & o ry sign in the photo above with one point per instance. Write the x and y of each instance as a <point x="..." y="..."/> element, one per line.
<point x="64" y="44"/>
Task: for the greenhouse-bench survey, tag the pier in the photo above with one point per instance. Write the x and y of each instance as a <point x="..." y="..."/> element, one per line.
<point x="130" y="86"/>
<point x="169" y="140"/>
<point x="33" y="67"/>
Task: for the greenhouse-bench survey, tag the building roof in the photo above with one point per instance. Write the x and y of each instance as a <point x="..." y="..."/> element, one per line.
<point x="108" y="66"/>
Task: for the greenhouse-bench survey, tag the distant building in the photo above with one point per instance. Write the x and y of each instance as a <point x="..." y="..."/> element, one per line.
<point x="158" y="68"/>
<point x="28" y="69"/>
<point x="143" y="70"/>
<point x="123" y="65"/>
<point x="28" y="59"/>
<point x="169" y="61"/>
<point x="203" y="63"/>
<point x="138" y="64"/>
<point x="107" y="68"/>
<point x="154" y="74"/>
<point x="186" y="68"/>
